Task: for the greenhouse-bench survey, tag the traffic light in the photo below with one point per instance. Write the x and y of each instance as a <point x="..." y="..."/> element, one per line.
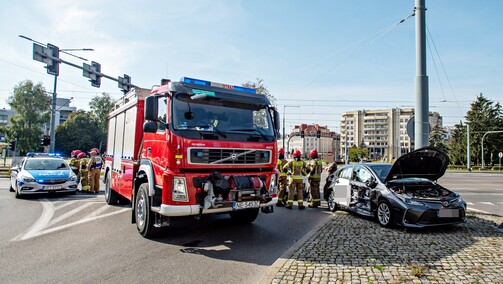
<point x="12" y="145"/>
<point x="92" y="72"/>
<point x="318" y="134"/>
<point x="46" y="140"/>
<point x="302" y="134"/>
<point x="124" y="83"/>
<point x="53" y="66"/>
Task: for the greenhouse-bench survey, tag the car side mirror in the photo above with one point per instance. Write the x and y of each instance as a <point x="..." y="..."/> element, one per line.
<point x="14" y="169"/>
<point x="371" y="183"/>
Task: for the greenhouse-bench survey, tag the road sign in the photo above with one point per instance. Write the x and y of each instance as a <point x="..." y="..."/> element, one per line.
<point x="411" y="127"/>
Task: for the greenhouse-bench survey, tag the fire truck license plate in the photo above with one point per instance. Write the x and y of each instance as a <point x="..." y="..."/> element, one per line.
<point x="245" y="205"/>
<point x="52" y="187"/>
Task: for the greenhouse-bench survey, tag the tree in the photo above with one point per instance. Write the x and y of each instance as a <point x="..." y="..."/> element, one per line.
<point x="261" y="89"/>
<point x="457" y="145"/>
<point x="80" y="131"/>
<point x="485" y="115"/>
<point x="437" y="138"/>
<point x="357" y="154"/>
<point x="30" y="102"/>
<point x="101" y="106"/>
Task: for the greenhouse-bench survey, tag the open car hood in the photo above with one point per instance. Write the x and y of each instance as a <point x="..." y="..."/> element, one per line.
<point x="427" y="162"/>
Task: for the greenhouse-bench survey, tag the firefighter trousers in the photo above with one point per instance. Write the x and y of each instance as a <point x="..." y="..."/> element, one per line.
<point x="282" y="189"/>
<point x="314" y="197"/>
<point x="94" y="180"/>
<point x="296" y="188"/>
<point x="84" y="180"/>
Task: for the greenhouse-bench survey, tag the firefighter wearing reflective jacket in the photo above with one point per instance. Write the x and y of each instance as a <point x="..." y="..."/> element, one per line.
<point x="296" y="169"/>
<point x="315" y="168"/>
<point x="75" y="164"/>
<point x="84" y="172"/>
<point x="94" y="166"/>
<point x="282" y="178"/>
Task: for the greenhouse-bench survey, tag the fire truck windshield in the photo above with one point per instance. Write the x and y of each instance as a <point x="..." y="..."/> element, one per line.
<point x="229" y="120"/>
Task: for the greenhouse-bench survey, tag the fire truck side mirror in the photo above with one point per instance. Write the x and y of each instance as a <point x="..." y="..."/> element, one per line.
<point x="277" y="125"/>
<point x="149" y="127"/>
<point x="151" y="108"/>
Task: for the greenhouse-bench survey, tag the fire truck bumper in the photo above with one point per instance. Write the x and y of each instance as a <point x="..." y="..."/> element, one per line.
<point x="187" y="210"/>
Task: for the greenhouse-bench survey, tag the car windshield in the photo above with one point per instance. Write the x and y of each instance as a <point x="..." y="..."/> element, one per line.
<point x="381" y="170"/>
<point x="221" y="116"/>
<point x="45" y="164"/>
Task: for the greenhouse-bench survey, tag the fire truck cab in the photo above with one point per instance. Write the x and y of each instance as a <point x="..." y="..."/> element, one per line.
<point x="190" y="148"/>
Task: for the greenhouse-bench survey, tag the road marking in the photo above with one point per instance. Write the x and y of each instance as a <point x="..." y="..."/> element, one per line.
<point x="69" y="213"/>
<point x="487" y="203"/>
<point x="41" y="226"/>
<point x="469" y="203"/>
<point x="43" y="220"/>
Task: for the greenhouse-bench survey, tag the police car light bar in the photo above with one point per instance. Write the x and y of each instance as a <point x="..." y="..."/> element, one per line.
<point x="34" y="154"/>
<point x="218" y="85"/>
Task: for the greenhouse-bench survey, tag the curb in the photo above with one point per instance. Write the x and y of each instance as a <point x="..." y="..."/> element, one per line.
<point x="273" y="270"/>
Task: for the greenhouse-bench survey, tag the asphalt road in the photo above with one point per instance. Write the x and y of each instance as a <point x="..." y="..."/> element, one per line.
<point x="78" y="238"/>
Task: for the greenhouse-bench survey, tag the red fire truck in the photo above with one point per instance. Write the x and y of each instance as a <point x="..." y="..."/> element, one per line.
<point x="190" y="148"/>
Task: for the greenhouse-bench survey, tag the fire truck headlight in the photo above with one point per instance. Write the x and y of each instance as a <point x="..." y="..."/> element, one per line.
<point x="179" y="192"/>
<point x="274" y="185"/>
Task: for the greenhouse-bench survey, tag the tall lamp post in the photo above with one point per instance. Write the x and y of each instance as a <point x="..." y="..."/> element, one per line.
<point x="284" y="107"/>
<point x="55" y="72"/>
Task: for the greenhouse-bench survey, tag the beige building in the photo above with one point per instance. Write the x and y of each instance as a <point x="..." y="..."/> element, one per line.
<point x="327" y="144"/>
<point x="383" y="132"/>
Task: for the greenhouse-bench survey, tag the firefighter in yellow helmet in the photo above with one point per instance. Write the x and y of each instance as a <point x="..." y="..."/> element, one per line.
<point x="84" y="172"/>
<point x="282" y="178"/>
<point x="315" y="169"/>
<point x="296" y="168"/>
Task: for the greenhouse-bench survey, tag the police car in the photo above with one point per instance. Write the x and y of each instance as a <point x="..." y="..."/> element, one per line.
<point x="42" y="173"/>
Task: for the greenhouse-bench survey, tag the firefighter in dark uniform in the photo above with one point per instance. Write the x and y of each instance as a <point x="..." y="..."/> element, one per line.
<point x="282" y="182"/>
<point x="315" y="169"/>
<point x="297" y="169"/>
<point x="331" y="168"/>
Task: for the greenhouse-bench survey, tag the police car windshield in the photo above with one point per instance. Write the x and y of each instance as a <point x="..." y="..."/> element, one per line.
<point x="221" y="116"/>
<point x="41" y="164"/>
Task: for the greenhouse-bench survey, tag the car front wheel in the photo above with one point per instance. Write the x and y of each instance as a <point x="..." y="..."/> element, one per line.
<point x="384" y="216"/>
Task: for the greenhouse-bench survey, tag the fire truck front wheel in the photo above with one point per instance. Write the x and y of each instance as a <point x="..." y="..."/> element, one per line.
<point x="144" y="216"/>
<point x="244" y="216"/>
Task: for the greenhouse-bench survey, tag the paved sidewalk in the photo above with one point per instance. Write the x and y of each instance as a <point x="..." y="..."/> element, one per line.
<point x="353" y="249"/>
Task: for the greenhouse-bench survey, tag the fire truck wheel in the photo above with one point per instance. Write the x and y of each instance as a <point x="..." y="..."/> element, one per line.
<point x="111" y="196"/>
<point x="244" y="216"/>
<point x="144" y="216"/>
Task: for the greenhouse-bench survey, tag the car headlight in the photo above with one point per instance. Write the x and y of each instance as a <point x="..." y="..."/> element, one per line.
<point x="73" y="178"/>
<point x="273" y="187"/>
<point x="28" y="179"/>
<point x="409" y="201"/>
<point x="179" y="192"/>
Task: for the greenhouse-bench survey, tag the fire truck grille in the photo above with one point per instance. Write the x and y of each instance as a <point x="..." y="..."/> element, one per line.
<point x="229" y="156"/>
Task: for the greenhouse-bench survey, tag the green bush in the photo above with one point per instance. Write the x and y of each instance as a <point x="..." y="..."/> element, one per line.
<point x="497" y="168"/>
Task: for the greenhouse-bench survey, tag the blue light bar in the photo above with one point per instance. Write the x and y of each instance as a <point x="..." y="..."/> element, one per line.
<point x="218" y="85"/>
<point x="34" y="154"/>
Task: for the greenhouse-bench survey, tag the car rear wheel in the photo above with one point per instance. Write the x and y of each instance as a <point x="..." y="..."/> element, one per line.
<point x="332" y="205"/>
<point x="17" y="193"/>
<point x="144" y="216"/>
<point x="11" y="189"/>
<point x="384" y="216"/>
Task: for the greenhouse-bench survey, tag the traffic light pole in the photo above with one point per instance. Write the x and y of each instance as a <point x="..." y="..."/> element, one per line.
<point x="53" y="115"/>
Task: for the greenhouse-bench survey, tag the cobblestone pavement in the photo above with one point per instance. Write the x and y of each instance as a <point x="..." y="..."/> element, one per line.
<point x="353" y="249"/>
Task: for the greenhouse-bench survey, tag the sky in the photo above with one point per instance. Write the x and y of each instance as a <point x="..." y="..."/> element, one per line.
<point x="318" y="58"/>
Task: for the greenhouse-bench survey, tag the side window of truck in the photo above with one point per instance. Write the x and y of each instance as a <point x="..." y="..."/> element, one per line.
<point x="161" y="111"/>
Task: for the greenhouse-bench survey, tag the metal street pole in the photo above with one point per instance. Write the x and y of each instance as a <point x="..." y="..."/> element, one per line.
<point x="468" y="154"/>
<point x="421" y="125"/>
<point x="482" y="145"/>
<point x="284" y="107"/>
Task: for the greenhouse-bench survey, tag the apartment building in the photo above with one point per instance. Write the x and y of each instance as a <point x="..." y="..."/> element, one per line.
<point x="327" y="144"/>
<point x="383" y="132"/>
